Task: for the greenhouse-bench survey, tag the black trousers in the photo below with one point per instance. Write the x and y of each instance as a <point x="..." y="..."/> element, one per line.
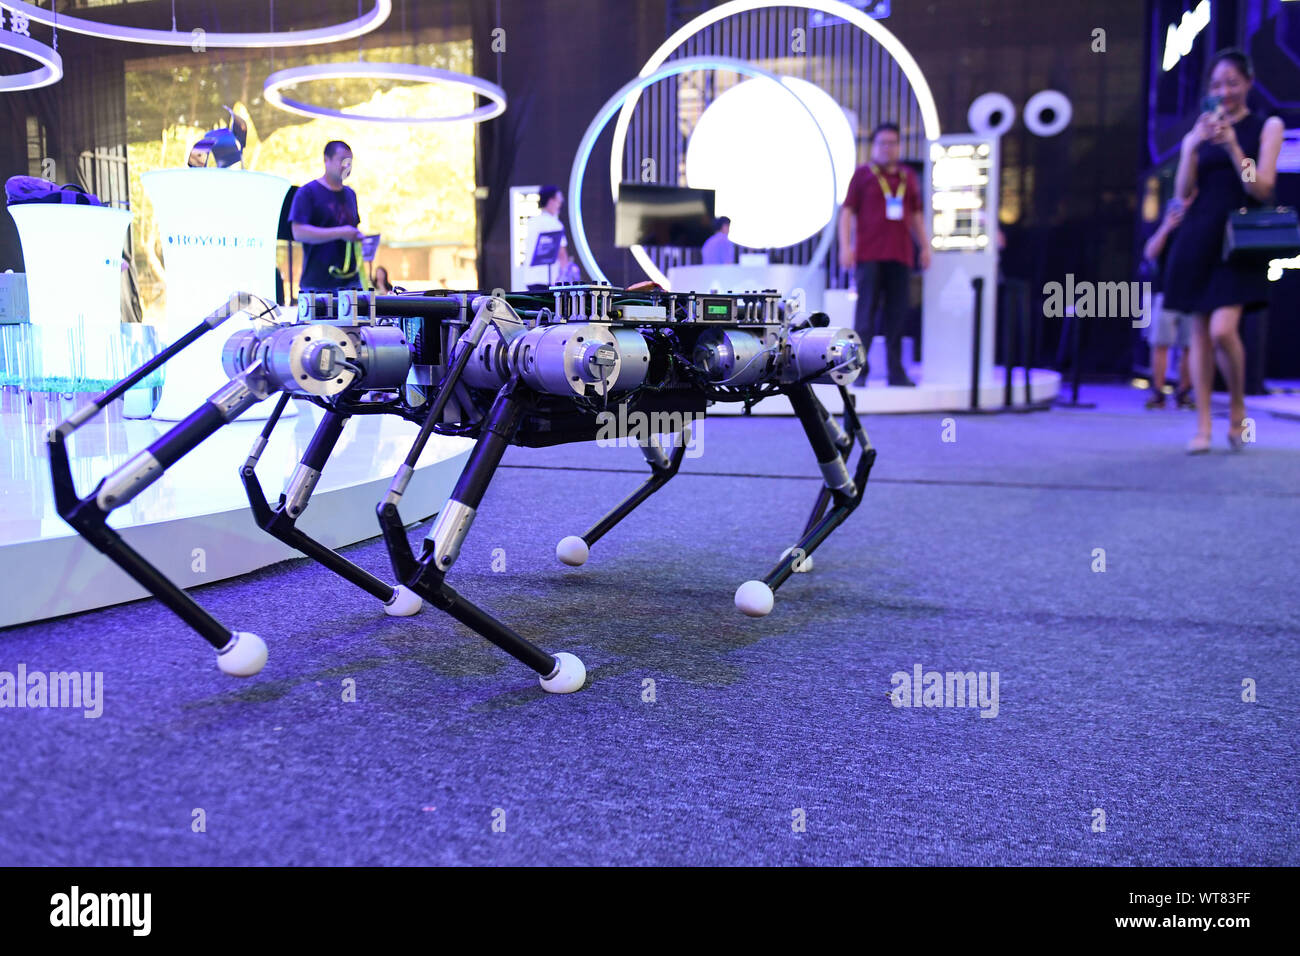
<point x="883" y="285"/>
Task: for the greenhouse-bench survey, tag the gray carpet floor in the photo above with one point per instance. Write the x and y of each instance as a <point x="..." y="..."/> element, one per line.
<point x="768" y="741"/>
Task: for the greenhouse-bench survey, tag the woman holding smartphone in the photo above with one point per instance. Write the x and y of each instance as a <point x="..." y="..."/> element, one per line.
<point x="1228" y="160"/>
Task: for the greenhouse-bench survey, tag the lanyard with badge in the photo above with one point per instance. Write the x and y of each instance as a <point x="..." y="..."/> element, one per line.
<point x="893" y="204"/>
<point x="353" y="251"/>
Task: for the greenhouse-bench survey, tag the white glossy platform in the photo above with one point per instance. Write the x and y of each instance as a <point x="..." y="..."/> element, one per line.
<point x="194" y="523"/>
<point x="878" y="398"/>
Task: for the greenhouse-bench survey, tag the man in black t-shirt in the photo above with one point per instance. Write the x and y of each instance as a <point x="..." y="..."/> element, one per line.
<point x="324" y="218"/>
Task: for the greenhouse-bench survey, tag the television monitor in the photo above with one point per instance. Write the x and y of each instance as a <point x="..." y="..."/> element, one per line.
<point x="662" y="216"/>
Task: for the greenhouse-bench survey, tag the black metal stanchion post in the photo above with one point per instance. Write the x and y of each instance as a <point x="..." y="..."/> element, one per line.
<point x="1076" y="348"/>
<point x="1027" y="338"/>
<point x="978" y="285"/>
<point x="1077" y="370"/>
<point x="1005" y="326"/>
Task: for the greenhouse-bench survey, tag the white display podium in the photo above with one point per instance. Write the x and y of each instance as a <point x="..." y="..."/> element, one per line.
<point x="962" y="173"/>
<point x="218" y="229"/>
<point x="736" y="278"/>
<point x="73" y="257"/>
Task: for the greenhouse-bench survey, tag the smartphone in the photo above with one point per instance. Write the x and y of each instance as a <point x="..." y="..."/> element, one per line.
<point x="1211" y="104"/>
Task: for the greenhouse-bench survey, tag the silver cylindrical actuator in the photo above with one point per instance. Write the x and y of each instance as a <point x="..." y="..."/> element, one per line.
<point x="385" y="354"/>
<point x="322" y="359"/>
<point x="575" y="358"/>
<point x="489" y="366"/>
<point x="814" y="351"/>
<point x="634" y="351"/>
<point x="566" y="351"/>
<point x="731" y="357"/>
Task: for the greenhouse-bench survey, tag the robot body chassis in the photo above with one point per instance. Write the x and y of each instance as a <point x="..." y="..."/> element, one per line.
<point x="526" y="369"/>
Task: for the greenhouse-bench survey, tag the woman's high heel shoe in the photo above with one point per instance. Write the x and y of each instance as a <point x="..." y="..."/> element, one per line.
<point x="1235" y="441"/>
<point x="1199" y="445"/>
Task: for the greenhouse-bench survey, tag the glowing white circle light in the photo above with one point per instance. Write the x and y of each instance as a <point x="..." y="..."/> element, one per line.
<point x="199" y="39"/>
<point x="1051" y="101"/>
<point x="991" y="114"/>
<point x="774" y="197"/>
<point x="606" y="112"/>
<point x="381" y="71"/>
<point x="836" y="8"/>
<point x="51" y="64"/>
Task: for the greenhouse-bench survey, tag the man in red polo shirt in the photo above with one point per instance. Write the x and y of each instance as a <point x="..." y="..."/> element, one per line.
<point x="884" y="203"/>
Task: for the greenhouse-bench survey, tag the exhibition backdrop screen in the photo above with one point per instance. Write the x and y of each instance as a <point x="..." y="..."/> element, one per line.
<point x="414" y="183"/>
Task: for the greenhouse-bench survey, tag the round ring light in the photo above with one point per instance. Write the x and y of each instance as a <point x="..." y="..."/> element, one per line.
<point x="50" y="71"/>
<point x="286" y="38"/>
<point x="991" y="114"/>
<point x="382" y="71"/>
<point x="835" y="8"/>
<point x="1048" y="101"/>
<point x="601" y="120"/>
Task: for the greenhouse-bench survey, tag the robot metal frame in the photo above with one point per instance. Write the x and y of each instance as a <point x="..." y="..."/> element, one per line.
<point x="531" y="369"/>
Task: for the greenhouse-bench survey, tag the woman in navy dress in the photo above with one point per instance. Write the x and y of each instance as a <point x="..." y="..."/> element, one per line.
<point x="1228" y="160"/>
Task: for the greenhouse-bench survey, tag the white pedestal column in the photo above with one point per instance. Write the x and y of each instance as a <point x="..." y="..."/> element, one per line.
<point x="218" y="230"/>
<point x="962" y="173"/>
<point x="73" y="257"/>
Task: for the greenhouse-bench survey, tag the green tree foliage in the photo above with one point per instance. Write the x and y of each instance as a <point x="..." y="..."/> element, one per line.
<point x="414" y="182"/>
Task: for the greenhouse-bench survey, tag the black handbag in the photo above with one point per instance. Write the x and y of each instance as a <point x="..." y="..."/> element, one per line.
<point x="24" y="189"/>
<point x="1261" y="234"/>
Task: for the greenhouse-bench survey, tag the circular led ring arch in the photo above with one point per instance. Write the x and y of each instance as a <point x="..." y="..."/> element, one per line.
<point x="873" y="28"/>
<point x="601" y="120"/>
<point x="382" y="71"/>
<point x="51" y="69"/>
<point x="110" y="31"/>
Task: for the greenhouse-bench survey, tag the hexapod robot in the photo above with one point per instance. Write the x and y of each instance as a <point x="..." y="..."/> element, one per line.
<point x="531" y="369"/>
